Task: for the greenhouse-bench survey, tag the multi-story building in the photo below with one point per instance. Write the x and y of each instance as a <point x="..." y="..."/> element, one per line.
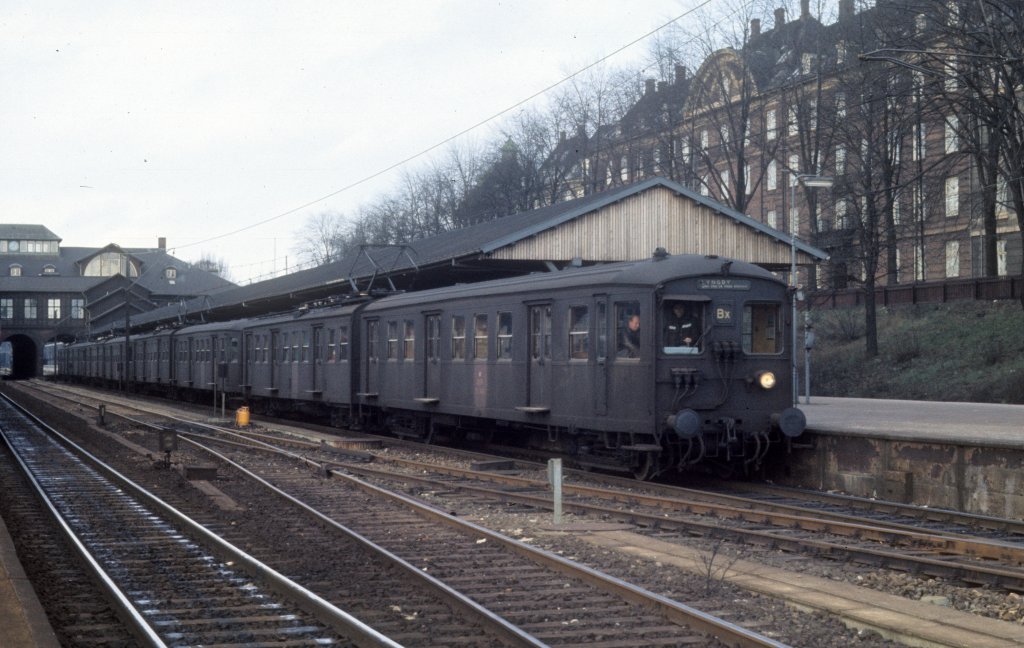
<point x="54" y="293"/>
<point x="750" y="127"/>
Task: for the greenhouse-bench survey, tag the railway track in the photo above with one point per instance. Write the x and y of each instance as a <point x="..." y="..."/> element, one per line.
<point x="173" y="583"/>
<point x="547" y="597"/>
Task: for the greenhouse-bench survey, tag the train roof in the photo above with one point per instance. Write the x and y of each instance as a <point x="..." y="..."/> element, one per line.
<point x="649" y="273"/>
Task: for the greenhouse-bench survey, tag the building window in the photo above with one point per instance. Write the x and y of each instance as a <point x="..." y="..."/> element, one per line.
<point x="794" y="169"/>
<point x="952" y="139"/>
<point x="770" y="124"/>
<point x="773" y="219"/>
<point x="773" y="176"/>
<point x="704" y="140"/>
<point x="793" y="124"/>
<point x="952" y="259"/>
<point x="952" y="196"/>
<point x="109" y="264"/>
<point x="920" y="134"/>
<point x="170" y="274"/>
<point x="30" y="309"/>
<point x="53" y="308"/>
<point x="15" y="270"/>
<point x="6" y="308"/>
<point x="49" y="269"/>
<point x="624" y="169"/>
<point x="77" y="309"/>
<point x="1000" y="258"/>
<point x="840" y="160"/>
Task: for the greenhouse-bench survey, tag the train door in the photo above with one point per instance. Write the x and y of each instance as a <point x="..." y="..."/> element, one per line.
<point x="248" y="358"/>
<point x="432" y="356"/>
<point x="372" y="367"/>
<point x="274" y="343"/>
<point x="540" y="355"/>
<point x="318" y="360"/>
<point x="190" y="362"/>
<point x="601" y="355"/>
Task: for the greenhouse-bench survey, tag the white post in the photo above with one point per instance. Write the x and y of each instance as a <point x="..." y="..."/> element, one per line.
<point x="555" y="478"/>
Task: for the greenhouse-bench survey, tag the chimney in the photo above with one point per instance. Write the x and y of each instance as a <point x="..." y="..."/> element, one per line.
<point x="845" y="9"/>
<point x="161" y="243"/>
<point x="681" y="72"/>
<point x="755" y="27"/>
<point x="805" y="8"/>
<point x="661" y="86"/>
<point x="649" y="86"/>
<point x="780" y="17"/>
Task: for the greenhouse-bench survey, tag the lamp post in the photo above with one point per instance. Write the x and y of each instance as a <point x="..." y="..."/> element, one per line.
<point x="814" y="182"/>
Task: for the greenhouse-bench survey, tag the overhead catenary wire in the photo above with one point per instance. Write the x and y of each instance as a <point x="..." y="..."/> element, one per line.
<point x="451" y="138"/>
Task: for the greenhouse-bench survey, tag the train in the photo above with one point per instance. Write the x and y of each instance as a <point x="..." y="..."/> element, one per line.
<point x="585" y="362"/>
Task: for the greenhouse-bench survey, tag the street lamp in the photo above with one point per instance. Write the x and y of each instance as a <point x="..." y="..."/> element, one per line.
<point x="813" y="182"/>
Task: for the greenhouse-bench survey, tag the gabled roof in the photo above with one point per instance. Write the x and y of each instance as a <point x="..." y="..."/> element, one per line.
<point x="442" y="254"/>
<point x="11" y="231"/>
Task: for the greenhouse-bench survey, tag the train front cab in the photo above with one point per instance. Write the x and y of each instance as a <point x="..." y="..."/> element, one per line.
<point x="724" y="395"/>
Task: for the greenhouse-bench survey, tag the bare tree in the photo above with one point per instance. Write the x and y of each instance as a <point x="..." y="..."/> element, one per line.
<point x="209" y="263"/>
<point x="320" y="238"/>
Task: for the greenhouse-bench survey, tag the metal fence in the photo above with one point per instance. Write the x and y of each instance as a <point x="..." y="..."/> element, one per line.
<point x="930" y="292"/>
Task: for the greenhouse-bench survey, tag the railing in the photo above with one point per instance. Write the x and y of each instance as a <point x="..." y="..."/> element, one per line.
<point x="931" y="292"/>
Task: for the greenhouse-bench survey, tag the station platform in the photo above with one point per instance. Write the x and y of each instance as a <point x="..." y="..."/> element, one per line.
<point x="961" y="456"/>
<point x="22" y="619"/>
<point x="976" y="424"/>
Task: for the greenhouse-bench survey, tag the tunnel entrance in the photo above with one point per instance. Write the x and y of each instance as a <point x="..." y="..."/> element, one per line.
<point x="21" y="359"/>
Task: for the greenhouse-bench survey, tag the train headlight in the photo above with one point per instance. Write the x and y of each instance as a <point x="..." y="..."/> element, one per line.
<point x="766" y="379"/>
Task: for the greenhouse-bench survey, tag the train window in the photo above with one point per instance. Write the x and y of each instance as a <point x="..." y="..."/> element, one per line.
<point x="579" y="332"/>
<point x="433" y="337"/>
<point x="480" y="337"/>
<point x="628" y="329"/>
<point x="409" y="341"/>
<point x="330" y="346"/>
<point x="762" y="328"/>
<point x="601" y="313"/>
<point x="504" y="336"/>
<point x="682" y="330"/>
<point x="286" y="349"/>
<point x="392" y="340"/>
<point x="540" y="332"/>
<point x="458" y="337"/>
<point x="305" y="347"/>
<point x="372" y="333"/>
<point x="343" y="343"/>
<point x="299" y="345"/>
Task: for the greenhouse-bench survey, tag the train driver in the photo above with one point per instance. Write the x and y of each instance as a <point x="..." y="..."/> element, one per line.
<point x="682" y="326"/>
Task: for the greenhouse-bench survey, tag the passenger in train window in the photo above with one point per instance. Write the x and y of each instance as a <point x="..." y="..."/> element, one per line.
<point x="629" y="341"/>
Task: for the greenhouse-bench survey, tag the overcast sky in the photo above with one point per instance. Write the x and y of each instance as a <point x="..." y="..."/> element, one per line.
<point x="121" y="122"/>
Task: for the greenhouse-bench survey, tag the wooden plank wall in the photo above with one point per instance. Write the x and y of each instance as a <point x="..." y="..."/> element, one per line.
<point x="633" y="228"/>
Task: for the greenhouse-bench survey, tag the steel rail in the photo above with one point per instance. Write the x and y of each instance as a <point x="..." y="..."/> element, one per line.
<point x="501" y="626"/>
<point x="936" y="567"/>
<point x="830" y="522"/>
<point x="321" y="609"/>
<point x="126" y="610"/>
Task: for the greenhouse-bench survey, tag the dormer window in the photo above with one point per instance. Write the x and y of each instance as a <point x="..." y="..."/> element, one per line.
<point x="49" y="269"/>
<point x="170" y="274"/>
<point x="109" y="264"/>
<point x="15" y="270"/>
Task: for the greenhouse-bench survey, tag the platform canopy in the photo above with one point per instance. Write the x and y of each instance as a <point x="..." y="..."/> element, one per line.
<point x="623" y="224"/>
